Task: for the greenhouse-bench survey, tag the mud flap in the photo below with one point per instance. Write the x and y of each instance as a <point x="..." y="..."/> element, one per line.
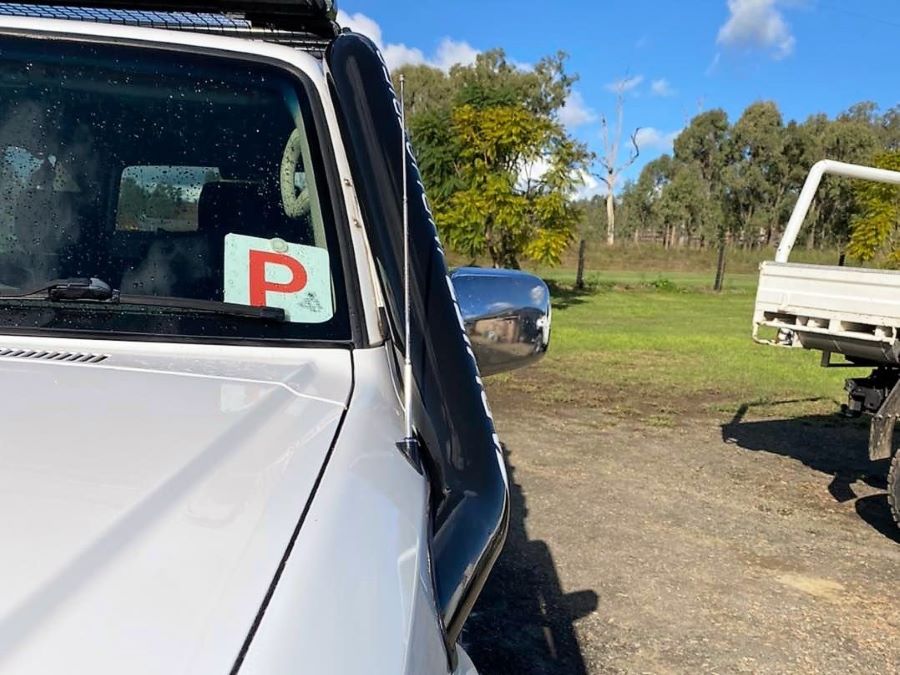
<point x="881" y="431"/>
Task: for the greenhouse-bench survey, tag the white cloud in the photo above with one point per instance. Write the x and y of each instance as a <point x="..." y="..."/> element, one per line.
<point x="576" y="113"/>
<point x="587" y="184"/>
<point x="532" y="172"/>
<point x="625" y="84"/>
<point x="649" y="138"/>
<point x="661" y="87"/>
<point x="396" y="55"/>
<point x="448" y="53"/>
<point x="757" y="24"/>
<point x="360" y="23"/>
<point x="590" y="187"/>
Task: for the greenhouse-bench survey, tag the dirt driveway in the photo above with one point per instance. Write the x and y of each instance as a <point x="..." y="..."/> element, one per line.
<point x="715" y="545"/>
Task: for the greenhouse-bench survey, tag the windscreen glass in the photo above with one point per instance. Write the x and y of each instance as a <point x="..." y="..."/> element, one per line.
<point x="193" y="186"/>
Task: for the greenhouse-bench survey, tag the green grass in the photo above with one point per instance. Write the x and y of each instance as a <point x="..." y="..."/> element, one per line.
<point x="628" y="256"/>
<point x="654" y="259"/>
<point x="663" y="345"/>
<point x="693" y="281"/>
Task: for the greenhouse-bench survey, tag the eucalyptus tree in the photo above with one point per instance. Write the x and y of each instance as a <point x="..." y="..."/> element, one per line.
<point x="499" y="165"/>
<point x="755" y="180"/>
<point x="611" y="134"/>
<point x="704" y="144"/>
<point x="874" y="228"/>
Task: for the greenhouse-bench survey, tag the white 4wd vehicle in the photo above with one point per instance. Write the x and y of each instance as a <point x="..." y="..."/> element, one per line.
<point x="205" y="464"/>
<point x="850" y="311"/>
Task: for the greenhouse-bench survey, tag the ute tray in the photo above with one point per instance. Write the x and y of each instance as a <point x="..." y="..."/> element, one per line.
<point x="839" y="310"/>
<point x="842" y="310"/>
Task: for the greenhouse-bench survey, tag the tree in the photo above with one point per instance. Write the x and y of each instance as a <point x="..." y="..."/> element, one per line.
<point x="518" y="172"/>
<point x="593" y="213"/>
<point x="427" y="89"/>
<point x="874" y="227"/>
<point x="637" y="206"/>
<point x="132" y="204"/>
<point x="609" y="159"/>
<point x="499" y="166"/>
<point x="847" y="139"/>
<point x="864" y="112"/>
<point x="682" y="206"/>
<point x="163" y="201"/>
<point x="704" y="144"/>
<point x="801" y="149"/>
<point x="890" y="128"/>
<point x="756" y="177"/>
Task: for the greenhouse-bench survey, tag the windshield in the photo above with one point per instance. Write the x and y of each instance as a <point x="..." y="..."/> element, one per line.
<point x="163" y="174"/>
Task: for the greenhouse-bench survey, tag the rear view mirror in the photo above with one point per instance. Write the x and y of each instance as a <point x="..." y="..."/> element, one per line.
<point x="507" y="316"/>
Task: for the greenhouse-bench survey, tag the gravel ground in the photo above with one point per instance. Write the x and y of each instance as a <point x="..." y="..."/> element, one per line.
<point x="715" y="545"/>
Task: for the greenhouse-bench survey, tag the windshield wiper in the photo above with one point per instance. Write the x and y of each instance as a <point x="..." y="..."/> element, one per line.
<point x="204" y="306"/>
<point x="97" y="290"/>
<point x="61" y="290"/>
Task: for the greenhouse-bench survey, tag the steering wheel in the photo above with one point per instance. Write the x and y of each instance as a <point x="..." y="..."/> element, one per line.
<point x="296" y="199"/>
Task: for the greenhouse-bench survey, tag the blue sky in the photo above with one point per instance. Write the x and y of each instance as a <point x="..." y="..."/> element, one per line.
<point x="677" y="56"/>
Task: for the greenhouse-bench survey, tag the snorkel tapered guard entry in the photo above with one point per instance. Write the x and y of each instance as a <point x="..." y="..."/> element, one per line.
<point x="462" y="453"/>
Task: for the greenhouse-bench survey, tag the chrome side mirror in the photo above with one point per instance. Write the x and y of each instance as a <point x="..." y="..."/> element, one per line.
<point x="507" y="316"/>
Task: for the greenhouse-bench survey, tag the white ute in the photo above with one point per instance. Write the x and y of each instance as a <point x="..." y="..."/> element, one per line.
<point x="849" y="311"/>
<point x="207" y="464"/>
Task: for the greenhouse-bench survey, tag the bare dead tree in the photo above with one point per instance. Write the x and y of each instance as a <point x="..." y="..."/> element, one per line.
<point x="609" y="159"/>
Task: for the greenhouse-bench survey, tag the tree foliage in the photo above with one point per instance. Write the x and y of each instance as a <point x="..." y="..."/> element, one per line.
<point x="875" y="225"/>
<point x="499" y="167"/>
<point x="502" y="171"/>
<point x="739" y="182"/>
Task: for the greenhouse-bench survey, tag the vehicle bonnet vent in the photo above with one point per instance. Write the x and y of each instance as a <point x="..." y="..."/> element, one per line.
<point x="44" y="355"/>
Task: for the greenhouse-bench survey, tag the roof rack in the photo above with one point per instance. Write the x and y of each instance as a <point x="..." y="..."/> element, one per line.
<point x="308" y="24"/>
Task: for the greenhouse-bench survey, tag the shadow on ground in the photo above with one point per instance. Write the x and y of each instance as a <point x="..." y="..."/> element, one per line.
<point x="566" y="296"/>
<point x="830" y="444"/>
<point x="523" y="622"/>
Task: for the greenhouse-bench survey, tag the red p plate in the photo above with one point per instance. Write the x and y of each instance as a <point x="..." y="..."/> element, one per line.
<point x="260" y="285"/>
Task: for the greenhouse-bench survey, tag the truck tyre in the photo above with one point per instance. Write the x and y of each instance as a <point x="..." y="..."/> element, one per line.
<point x="893" y="487"/>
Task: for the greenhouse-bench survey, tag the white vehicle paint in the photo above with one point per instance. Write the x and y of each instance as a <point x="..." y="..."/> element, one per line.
<point x="172" y="506"/>
<point x="844" y="310"/>
<point x="151" y="552"/>
<point x="194" y="511"/>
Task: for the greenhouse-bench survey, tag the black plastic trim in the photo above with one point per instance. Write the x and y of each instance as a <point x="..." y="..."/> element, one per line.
<point x="315" y="16"/>
<point x="470" y="508"/>
<point x="15" y="331"/>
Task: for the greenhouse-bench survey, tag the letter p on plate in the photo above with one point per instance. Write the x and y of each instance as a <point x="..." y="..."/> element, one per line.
<point x="261" y="284"/>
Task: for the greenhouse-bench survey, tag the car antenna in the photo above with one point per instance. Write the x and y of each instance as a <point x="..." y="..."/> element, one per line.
<point x="409" y="446"/>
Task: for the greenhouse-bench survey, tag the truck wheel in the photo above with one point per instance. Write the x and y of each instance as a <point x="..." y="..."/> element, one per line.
<point x="893" y="486"/>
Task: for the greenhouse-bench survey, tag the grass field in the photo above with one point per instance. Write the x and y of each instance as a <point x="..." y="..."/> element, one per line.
<point x="662" y="345"/>
<point x="630" y="256"/>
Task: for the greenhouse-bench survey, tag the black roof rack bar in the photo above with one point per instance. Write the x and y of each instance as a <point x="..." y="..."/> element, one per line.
<point x="230" y="25"/>
<point x="306" y="16"/>
<point x="129" y="17"/>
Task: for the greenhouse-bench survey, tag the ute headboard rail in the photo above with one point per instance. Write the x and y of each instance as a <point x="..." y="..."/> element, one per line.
<point x="804" y="201"/>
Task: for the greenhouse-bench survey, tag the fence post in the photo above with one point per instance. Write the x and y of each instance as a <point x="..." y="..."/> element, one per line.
<point x="720" y="267"/>
<point x="579" y="275"/>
